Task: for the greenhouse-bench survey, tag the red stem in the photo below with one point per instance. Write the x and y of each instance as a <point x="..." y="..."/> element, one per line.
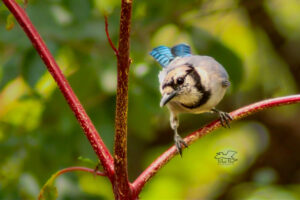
<point x="237" y="114"/>
<point x="122" y="188"/>
<point x="82" y="117"/>
<point x="84" y="169"/>
<point x="108" y="36"/>
<point x="42" y="194"/>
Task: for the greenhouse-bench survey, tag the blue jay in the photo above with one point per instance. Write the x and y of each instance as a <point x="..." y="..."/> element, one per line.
<point x="190" y="84"/>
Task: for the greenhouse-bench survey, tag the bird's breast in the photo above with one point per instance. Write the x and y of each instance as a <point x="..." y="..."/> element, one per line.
<point x="205" y="103"/>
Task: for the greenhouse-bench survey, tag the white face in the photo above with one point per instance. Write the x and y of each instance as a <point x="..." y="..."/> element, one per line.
<point x="182" y="83"/>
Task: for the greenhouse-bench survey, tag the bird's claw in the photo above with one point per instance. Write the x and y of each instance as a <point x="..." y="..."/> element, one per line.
<point x="178" y="143"/>
<point x="225" y="118"/>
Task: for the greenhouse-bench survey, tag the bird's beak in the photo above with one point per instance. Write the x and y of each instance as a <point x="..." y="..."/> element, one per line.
<point x="167" y="97"/>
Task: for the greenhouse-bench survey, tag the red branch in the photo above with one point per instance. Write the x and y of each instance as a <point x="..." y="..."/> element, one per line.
<point x="108" y="36"/>
<point x="81" y="115"/>
<point x="237" y="114"/>
<point x="122" y="187"/>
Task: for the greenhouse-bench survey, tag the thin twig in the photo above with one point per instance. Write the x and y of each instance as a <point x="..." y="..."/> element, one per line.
<point x="81" y="115"/>
<point x="84" y="169"/>
<point x="237" y="114"/>
<point x="50" y="181"/>
<point x="108" y="36"/>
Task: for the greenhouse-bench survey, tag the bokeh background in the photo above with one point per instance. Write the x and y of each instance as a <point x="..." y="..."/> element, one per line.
<point x="257" y="41"/>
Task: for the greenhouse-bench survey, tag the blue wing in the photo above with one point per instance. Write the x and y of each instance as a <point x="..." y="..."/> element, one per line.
<point x="163" y="55"/>
<point x="181" y="50"/>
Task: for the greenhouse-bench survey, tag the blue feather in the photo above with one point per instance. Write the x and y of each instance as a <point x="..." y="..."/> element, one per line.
<point x="163" y="55"/>
<point x="181" y="50"/>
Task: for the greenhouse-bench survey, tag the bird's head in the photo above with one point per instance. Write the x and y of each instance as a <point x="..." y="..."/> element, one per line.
<point x="183" y="85"/>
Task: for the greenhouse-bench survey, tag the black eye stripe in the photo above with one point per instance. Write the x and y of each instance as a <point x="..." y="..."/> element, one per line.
<point x="191" y="71"/>
<point x="194" y="74"/>
<point x="187" y="73"/>
<point x="171" y="84"/>
<point x="206" y="93"/>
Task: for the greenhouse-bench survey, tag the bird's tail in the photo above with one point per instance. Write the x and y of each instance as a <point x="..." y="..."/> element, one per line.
<point x="181" y="50"/>
<point x="162" y="55"/>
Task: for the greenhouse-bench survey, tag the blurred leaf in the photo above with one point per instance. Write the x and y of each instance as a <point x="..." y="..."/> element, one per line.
<point x="106" y="6"/>
<point x="144" y="91"/>
<point x="21" y="1"/>
<point x="97" y="186"/>
<point x="62" y="15"/>
<point x="10" y="22"/>
<point x="10" y="70"/>
<point x="25" y="3"/>
<point x="204" y="181"/>
<point x="169" y="35"/>
<point x="282" y="12"/>
<point x="79" y="9"/>
<point x="208" y="45"/>
<point x="49" y="191"/>
<point x="29" y="113"/>
<point x="29" y="186"/>
<point x="87" y="161"/>
<point x="254" y="191"/>
<point x="32" y="68"/>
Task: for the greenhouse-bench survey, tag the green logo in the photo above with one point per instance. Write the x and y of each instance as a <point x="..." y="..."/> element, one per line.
<point x="226" y="158"/>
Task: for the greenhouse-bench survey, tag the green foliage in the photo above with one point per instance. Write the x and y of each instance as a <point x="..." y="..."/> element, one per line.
<point x="10" y="22"/>
<point x="10" y="70"/>
<point x="32" y="68"/>
<point x="209" y="45"/>
<point x="39" y="134"/>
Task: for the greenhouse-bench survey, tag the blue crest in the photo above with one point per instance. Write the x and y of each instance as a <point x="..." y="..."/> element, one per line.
<point x="163" y="55"/>
<point x="181" y="50"/>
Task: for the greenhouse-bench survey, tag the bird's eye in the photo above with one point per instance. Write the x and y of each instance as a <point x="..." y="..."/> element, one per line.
<point x="180" y="81"/>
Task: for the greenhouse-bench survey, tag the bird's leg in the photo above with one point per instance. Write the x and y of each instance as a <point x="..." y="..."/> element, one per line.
<point x="179" y="142"/>
<point x="177" y="139"/>
<point x="224" y="117"/>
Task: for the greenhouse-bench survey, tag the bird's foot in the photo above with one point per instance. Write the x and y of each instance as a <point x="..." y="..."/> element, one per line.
<point x="225" y="118"/>
<point x="178" y="143"/>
